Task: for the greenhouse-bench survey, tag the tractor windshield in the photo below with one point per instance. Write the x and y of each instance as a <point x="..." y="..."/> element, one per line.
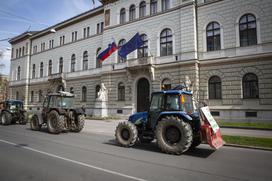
<point x="62" y="101"/>
<point x="187" y="103"/>
<point x="15" y="105"/>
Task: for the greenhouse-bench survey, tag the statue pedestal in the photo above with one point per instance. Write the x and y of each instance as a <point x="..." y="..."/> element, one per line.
<point x="100" y="108"/>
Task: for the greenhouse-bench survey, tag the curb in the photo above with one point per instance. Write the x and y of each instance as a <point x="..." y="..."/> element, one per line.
<point x="248" y="147"/>
<point x="248" y="128"/>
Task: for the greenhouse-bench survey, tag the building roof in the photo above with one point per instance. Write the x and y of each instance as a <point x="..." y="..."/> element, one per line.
<point x="58" y="26"/>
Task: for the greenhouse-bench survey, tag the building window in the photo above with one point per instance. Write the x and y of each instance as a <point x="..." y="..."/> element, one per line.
<point x="72" y="90"/>
<point x="143" y="50"/>
<point x="73" y="62"/>
<point x="250" y="86"/>
<point x="86" y="32"/>
<point x="41" y="69"/>
<point x="17" y="95"/>
<point x="33" y="71"/>
<point x="34" y="49"/>
<point x="74" y="36"/>
<point x="120" y="44"/>
<point x="60" y="65"/>
<point x="19" y="73"/>
<point x="121" y="91"/>
<point x="51" y="44"/>
<point x="215" y="88"/>
<point x="213" y="36"/>
<point x="166" y="42"/>
<point x="122" y="16"/>
<point x="62" y="40"/>
<point x="98" y="62"/>
<point x="50" y="67"/>
<point x="84" y="94"/>
<point x="247" y="30"/>
<point x="153" y="7"/>
<point x="40" y="96"/>
<point x="97" y="89"/>
<point x="32" y="96"/>
<point x="165" y="5"/>
<point x="166" y="84"/>
<point x="85" y="60"/>
<point x="20" y="51"/>
<point x="132" y="13"/>
<point x="23" y="52"/>
<point x="142" y="9"/>
<point x="42" y="46"/>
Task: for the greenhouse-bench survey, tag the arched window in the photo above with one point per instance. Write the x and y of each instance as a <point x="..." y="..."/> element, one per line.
<point x="40" y="96"/>
<point x="33" y="71"/>
<point x="143" y="50"/>
<point x="85" y="60"/>
<point x="72" y="90"/>
<point x="153" y="7"/>
<point x="84" y="94"/>
<point x="215" y="88"/>
<point x="32" y="96"/>
<point x="120" y="44"/>
<point x="213" y="36"/>
<point x="50" y="67"/>
<point x="122" y="16"/>
<point x="19" y="73"/>
<point x="165" y="5"/>
<point x="97" y="89"/>
<point x="247" y="30"/>
<point x="166" y="84"/>
<point x="60" y="88"/>
<point x="73" y="62"/>
<point x="41" y="69"/>
<point x="132" y="13"/>
<point x="250" y="86"/>
<point x="166" y="42"/>
<point x="98" y="62"/>
<point x="142" y="9"/>
<point x="121" y="91"/>
<point x="60" y="65"/>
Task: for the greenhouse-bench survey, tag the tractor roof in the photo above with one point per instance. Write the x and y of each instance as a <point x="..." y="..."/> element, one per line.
<point x="62" y="93"/>
<point x="13" y="101"/>
<point x="174" y="92"/>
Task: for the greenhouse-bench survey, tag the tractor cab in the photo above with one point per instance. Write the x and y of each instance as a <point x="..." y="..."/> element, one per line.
<point x="164" y="103"/>
<point x="62" y="100"/>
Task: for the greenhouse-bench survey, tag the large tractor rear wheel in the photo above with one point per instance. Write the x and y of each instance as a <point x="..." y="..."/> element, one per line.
<point x="55" y="122"/>
<point x="174" y="136"/>
<point x="126" y="134"/>
<point x="34" y="123"/>
<point x="80" y="121"/>
<point x="6" y="118"/>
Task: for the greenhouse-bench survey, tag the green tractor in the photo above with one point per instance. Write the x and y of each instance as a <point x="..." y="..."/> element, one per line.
<point x="59" y="114"/>
<point x="12" y="111"/>
<point x="170" y="120"/>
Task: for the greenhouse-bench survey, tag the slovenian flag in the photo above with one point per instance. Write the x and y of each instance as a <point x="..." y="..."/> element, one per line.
<point x="107" y="52"/>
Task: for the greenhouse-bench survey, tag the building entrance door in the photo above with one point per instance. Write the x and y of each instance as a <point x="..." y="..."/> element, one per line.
<point x="143" y="95"/>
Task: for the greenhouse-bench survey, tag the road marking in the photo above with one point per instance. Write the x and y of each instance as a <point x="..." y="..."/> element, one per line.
<point x="73" y="161"/>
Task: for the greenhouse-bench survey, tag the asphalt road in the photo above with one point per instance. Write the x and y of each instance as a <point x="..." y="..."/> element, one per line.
<point x="40" y="156"/>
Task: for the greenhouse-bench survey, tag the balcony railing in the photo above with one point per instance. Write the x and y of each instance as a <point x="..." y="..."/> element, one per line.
<point x="57" y="76"/>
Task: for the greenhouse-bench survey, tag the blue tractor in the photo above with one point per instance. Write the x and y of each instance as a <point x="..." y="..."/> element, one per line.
<point x="170" y="120"/>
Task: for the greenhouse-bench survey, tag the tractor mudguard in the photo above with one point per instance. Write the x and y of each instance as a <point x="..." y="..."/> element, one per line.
<point x="138" y="118"/>
<point x="185" y="117"/>
<point x="79" y="111"/>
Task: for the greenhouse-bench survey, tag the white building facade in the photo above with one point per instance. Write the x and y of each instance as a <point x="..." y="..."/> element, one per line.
<point x="223" y="47"/>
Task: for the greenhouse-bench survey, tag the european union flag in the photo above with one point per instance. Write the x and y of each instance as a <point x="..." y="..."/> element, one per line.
<point x="134" y="43"/>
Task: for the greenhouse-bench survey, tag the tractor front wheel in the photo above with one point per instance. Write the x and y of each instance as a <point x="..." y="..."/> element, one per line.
<point x="174" y="136"/>
<point x="126" y="134"/>
<point x="55" y="122"/>
<point x="6" y="118"/>
<point x="79" y="123"/>
<point x="34" y="123"/>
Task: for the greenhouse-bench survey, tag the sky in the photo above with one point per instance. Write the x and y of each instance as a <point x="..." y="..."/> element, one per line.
<point x="18" y="16"/>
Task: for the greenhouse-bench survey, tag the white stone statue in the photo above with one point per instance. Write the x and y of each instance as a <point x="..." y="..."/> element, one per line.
<point x="188" y="83"/>
<point x="103" y="93"/>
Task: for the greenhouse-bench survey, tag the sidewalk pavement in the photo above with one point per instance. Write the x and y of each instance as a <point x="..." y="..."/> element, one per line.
<point x="107" y="127"/>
